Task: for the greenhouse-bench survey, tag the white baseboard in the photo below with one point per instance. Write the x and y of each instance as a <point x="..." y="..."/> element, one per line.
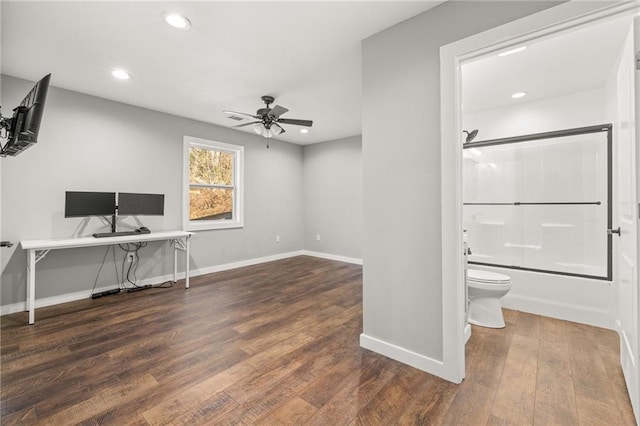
<point x="336" y="257"/>
<point x="405" y="356"/>
<point x="625" y="345"/>
<point x="85" y="294"/>
<point x="467" y="332"/>
<point x="243" y="263"/>
<point x="564" y="311"/>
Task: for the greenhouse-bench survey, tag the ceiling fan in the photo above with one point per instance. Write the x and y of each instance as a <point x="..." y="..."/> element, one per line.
<point x="268" y="119"/>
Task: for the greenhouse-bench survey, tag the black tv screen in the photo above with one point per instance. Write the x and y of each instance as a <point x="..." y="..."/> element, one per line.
<point x="82" y="204"/>
<point x="25" y="124"/>
<point x="132" y="204"/>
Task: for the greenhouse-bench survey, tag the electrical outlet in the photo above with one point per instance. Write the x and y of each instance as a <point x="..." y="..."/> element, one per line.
<point x="277" y="238"/>
<point x="130" y="257"/>
<point x="317" y="237"/>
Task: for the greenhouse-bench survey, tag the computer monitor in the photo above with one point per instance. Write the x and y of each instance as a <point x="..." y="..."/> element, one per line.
<point x="21" y="130"/>
<point x="132" y="204"/>
<point x="83" y="204"/>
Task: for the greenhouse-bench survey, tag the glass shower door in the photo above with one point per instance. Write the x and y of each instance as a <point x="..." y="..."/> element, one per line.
<point x="541" y="202"/>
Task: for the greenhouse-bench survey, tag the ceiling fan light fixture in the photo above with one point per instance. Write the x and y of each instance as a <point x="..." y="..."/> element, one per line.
<point x="261" y="130"/>
<point x="177" y="21"/>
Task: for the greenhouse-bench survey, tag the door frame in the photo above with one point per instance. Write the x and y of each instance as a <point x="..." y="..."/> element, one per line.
<point x="574" y="14"/>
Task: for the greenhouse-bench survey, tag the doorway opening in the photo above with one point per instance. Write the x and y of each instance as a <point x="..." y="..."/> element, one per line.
<point x="565" y="20"/>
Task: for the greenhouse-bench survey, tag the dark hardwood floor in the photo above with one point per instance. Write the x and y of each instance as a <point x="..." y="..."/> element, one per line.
<point x="278" y="343"/>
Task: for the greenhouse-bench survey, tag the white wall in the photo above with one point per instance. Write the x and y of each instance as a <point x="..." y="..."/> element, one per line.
<point x="333" y="197"/>
<point x="544" y="115"/>
<point x="402" y="295"/>
<point x="92" y="144"/>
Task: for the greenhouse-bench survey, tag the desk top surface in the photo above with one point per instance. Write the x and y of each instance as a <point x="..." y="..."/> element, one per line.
<point x="56" y="243"/>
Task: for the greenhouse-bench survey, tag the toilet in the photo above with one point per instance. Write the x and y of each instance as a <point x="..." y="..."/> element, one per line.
<point x="485" y="289"/>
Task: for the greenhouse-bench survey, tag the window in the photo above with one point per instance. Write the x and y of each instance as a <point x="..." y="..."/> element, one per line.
<point x="213" y="177"/>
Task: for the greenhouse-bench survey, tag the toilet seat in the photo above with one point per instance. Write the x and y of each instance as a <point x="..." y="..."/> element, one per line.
<point x="486" y="277"/>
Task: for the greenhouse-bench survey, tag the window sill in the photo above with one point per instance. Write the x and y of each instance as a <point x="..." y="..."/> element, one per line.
<point x="212" y="226"/>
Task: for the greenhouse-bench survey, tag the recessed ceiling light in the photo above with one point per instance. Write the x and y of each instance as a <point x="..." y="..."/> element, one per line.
<point x="519" y="95"/>
<point x="177" y="21"/>
<point x="304" y="130"/>
<point x="512" y="51"/>
<point x="121" y="74"/>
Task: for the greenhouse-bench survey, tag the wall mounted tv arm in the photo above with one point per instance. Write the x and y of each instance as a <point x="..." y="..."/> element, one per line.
<point x="21" y="130"/>
<point x="8" y="126"/>
<point x="5" y="125"/>
<point x="5" y="131"/>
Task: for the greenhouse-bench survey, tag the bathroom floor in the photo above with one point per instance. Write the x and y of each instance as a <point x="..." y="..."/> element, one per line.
<point x="540" y="370"/>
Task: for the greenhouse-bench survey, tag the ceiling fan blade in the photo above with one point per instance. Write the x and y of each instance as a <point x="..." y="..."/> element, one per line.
<point x="307" y="123"/>
<point x="277" y="111"/>
<point x="240" y="113"/>
<point x="247" y="124"/>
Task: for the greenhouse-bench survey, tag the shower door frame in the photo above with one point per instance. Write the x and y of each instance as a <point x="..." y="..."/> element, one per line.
<point x="608" y="128"/>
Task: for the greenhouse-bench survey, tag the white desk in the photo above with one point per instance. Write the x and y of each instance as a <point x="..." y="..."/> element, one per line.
<point x="38" y="249"/>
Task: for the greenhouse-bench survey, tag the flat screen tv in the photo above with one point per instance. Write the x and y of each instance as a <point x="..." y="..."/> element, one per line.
<point x="132" y="204"/>
<point x="21" y="130"/>
<point x="83" y="204"/>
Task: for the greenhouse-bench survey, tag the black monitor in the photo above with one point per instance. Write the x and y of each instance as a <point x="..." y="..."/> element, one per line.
<point x="21" y="130"/>
<point x="83" y="204"/>
<point x="132" y="204"/>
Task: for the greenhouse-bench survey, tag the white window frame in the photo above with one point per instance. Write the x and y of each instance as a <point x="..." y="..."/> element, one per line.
<point x="238" y="185"/>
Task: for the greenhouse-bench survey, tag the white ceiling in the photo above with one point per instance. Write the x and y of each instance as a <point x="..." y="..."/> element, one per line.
<point x="306" y="54"/>
<point x="575" y="61"/>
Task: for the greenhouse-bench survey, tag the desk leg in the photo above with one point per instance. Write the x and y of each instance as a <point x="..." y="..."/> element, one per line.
<point x="186" y="262"/>
<point x="175" y="262"/>
<point x="31" y="285"/>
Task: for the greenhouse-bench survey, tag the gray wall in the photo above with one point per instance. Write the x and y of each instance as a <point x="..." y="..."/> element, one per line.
<point x="333" y="197"/>
<point x="88" y="143"/>
<point x="401" y="169"/>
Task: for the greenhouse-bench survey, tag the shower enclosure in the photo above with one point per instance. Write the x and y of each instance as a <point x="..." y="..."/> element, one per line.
<point x="541" y="202"/>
